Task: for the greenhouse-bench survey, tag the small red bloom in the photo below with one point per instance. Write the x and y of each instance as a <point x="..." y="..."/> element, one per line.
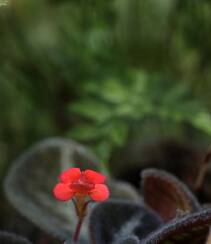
<point x="74" y="182"/>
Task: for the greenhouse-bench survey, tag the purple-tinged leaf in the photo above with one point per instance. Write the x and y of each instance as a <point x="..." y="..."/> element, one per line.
<point x="192" y="228"/>
<point x="165" y="194"/>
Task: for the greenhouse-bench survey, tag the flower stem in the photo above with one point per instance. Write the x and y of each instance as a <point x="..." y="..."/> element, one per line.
<point x="202" y="171"/>
<point x="77" y="230"/>
<point x="80" y="207"/>
<point x="200" y="177"/>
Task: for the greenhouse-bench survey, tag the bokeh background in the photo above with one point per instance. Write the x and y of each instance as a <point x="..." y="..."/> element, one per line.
<point x="130" y="79"/>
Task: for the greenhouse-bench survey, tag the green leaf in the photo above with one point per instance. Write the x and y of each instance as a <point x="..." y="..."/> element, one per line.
<point x="115" y="91"/>
<point x="111" y="90"/>
<point x="84" y="132"/>
<point x="118" y="133"/>
<point x="91" y="109"/>
<point x="103" y="150"/>
<point x="202" y="121"/>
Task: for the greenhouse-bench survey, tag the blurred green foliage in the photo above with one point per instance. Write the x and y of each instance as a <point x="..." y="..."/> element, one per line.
<point x="103" y="72"/>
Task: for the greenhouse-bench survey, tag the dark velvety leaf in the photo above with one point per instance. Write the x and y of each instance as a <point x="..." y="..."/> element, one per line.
<point x="192" y="228"/>
<point x="112" y="221"/>
<point x="123" y="190"/>
<point x="32" y="177"/>
<point x="166" y="194"/>
<point x="79" y="242"/>
<point x="10" y="238"/>
<point x="129" y="240"/>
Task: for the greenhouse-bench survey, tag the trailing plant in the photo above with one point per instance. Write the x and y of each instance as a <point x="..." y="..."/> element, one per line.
<point x="165" y="212"/>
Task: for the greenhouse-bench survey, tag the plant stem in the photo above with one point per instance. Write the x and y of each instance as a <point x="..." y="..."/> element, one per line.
<point x="80" y="207"/>
<point x="203" y="170"/>
<point x="77" y="231"/>
<point x="200" y="177"/>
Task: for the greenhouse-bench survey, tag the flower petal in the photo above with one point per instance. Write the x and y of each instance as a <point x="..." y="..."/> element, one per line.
<point x="70" y="175"/>
<point x="94" y="177"/>
<point x="100" y="193"/>
<point x="62" y="192"/>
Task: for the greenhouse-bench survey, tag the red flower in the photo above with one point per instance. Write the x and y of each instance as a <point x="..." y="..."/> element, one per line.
<point x="81" y="184"/>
